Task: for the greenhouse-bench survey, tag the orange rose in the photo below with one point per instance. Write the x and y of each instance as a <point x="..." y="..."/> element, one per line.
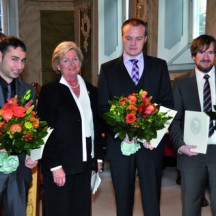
<point x="15" y="128"/>
<point x="132" y="98"/>
<point x="131" y="108"/>
<point x="33" y="112"/>
<point x="19" y="111"/>
<point x="123" y="101"/>
<point x="35" y="122"/>
<point x="3" y="126"/>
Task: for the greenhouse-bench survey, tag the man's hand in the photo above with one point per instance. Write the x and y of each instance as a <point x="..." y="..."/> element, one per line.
<point x="31" y="163"/>
<point x="126" y="139"/>
<point x="3" y="150"/>
<point x="148" y="145"/>
<point x="186" y="149"/>
<point x="59" y="177"/>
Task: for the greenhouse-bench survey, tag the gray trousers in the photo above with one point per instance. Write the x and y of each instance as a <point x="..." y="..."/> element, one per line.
<point x="13" y="194"/>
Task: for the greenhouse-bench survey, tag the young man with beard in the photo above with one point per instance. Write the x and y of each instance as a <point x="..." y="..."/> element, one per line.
<point x="189" y="93"/>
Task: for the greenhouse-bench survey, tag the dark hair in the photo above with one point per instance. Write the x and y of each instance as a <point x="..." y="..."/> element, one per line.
<point x="11" y="41"/>
<point x="202" y="43"/>
<point x="2" y="35"/>
<point x="135" y="22"/>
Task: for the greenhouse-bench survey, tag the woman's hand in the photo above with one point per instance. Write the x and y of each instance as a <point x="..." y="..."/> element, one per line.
<point x="59" y="177"/>
<point x="100" y="166"/>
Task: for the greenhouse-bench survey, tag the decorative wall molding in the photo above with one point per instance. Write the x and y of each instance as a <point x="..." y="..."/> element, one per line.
<point x="85" y="24"/>
<point x="142" y="10"/>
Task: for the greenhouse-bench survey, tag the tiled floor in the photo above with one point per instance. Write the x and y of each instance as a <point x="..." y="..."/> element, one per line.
<point x="103" y="203"/>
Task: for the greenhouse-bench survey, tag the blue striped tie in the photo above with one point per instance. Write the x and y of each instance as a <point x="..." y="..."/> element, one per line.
<point x="207" y="102"/>
<point x="135" y="71"/>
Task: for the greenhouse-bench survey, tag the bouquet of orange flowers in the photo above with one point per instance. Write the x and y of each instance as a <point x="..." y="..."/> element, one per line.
<point x="136" y="117"/>
<point x="20" y="128"/>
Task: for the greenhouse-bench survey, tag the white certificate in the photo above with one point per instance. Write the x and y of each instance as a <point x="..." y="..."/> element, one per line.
<point x="196" y="129"/>
<point x="162" y="132"/>
<point x="95" y="182"/>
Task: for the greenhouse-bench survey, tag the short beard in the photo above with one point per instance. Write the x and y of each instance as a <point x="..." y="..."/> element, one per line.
<point x="204" y="70"/>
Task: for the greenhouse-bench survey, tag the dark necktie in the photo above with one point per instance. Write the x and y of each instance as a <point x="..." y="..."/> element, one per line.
<point x="135" y="71"/>
<point x="9" y="91"/>
<point x="207" y="102"/>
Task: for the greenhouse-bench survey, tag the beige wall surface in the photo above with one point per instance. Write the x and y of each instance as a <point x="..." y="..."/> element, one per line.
<point x="30" y="33"/>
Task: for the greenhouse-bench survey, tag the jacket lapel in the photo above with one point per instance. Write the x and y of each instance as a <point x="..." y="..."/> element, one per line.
<point x="2" y="100"/>
<point x="193" y="93"/>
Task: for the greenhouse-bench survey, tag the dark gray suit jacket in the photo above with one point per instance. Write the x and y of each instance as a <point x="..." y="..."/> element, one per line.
<point x="21" y="88"/>
<point x="186" y="97"/>
<point x="114" y="81"/>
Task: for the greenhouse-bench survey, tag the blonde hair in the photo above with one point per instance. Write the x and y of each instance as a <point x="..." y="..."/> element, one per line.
<point x="61" y="50"/>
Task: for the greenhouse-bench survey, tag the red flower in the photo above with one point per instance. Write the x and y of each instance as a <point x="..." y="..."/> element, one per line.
<point x="13" y="101"/>
<point x="19" y="111"/>
<point x="130" y="118"/>
<point x="28" y="136"/>
<point x="141" y="108"/>
<point x="7" y="114"/>
<point x="9" y="106"/>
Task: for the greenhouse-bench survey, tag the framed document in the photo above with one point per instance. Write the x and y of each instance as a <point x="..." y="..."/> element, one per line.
<point x="196" y="128"/>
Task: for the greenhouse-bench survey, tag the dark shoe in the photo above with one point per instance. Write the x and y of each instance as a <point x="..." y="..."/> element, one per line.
<point x="204" y="202"/>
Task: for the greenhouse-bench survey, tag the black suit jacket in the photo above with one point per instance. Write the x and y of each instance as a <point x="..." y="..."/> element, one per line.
<point x="21" y="88"/>
<point x="114" y="81"/>
<point x="186" y="97"/>
<point x="57" y="106"/>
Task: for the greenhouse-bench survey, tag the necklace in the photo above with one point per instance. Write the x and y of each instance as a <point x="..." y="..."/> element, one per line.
<point x="75" y="85"/>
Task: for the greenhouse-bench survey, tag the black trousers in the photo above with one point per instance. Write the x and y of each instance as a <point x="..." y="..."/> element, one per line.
<point x="74" y="198"/>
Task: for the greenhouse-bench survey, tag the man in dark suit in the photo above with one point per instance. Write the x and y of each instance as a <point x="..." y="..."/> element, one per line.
<point x="14" y="186"/>
<point x="116" y="80"/>
<point x="190" y="94"/>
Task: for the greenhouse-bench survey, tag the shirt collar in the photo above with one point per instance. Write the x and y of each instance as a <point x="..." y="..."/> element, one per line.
<point x="127" y="58"/>
<point x="200" y="74"/>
